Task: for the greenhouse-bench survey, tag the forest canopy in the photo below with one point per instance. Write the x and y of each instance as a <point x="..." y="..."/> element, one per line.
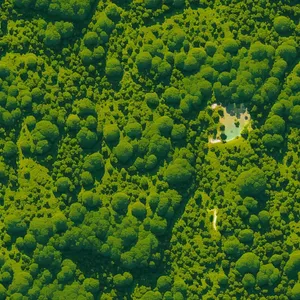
<point x="149" y="149"/>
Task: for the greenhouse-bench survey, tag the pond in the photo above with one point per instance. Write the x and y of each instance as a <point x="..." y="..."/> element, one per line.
<point x="235" y="118"/>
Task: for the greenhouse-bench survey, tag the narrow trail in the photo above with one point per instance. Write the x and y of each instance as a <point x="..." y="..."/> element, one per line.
<point x="214" y="211"/>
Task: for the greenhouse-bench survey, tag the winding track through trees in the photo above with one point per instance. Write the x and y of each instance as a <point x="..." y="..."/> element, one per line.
<point x="214" y="211"/>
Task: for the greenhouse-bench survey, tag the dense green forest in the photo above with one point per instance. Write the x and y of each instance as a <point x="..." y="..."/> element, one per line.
<point x="109" y="187"/>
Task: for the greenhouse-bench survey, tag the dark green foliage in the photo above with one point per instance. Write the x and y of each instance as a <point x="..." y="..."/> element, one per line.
<point x="172" y="96"/>
<point x="138" y="210"/>
<point x="91" y="123"/>
<point x="152" y="99"/>
<point x="164" y="283"/>
<point x="246" y="236"/>
<point x="272" y="140"/>
<point x="199" y="54"/>
<point x="52" y="37"/>
<point x="210" y="48"/>
<point x="287" y="52"/>
<point x="133" y="130"/>
<point x="151" y="162"/>
<point x="138" y="256"/>
<point x="15" y="225"/>
<point x="111" y="185"/>
<point x="295" y="114"/>
<point x="59" y="222"/>
<point x="98" y="53"/>
<point x="175" y="38"/>
<point x="179" y="172"/>
<point x="283" y="24"/>
<point x="223" y="279"/>
<point x="4" y="70"/>
<point x="153" y="201"/>
<point x="276" y="260"/>
<point x="231" y="46"/>
<point x="70" y="10"/>
<point x="74" y="290"/>
<point x="254" y="221"/>
<point x="90" y="39"/>
<point x="111" y="133"/>
<point x="123" y="151"/>
<point x="3" y="171"/>
<point x="42" y="229"/>
<point x="21" y="283"/>
<point x="264" y="217"/>
<point x="233" y="247"/>
<point x="152" y="296"/>
<point x="104" y="24"/>
<point x="86" y="56"/>
<point x="113" y="12"/>
<point x="91" y="285"/>
<point x="120" y="202"/>
<point x="123" y="281"/>
<point x="86" y="138"/>
<point x="63" y="184"/>
<point x="164" y="125"/>
<point x="274" y="125"/>
<point x="293" y="264"/>
<point x="10" y="149"/>
<point x="220" y="63"/>
<point x="158" y="226"/>
<point x="77" y="212"/>
<point x="45" y="130"/>
<point x="164" y="70"/>
<point x="66" y="29"/>
<point x="248" y="263"/>
<point x="178" y="132"/>
<point x="250" y="203"/>
<point x="295" y="293"/>
<point x="152" y="3"/>
<point x="129" y="237"/>
<point x="94" y="163"/>
<point x="251" y="182"/>
<point x="190" y="64"/>
<point x="85" y="107"/>
<point x="2" y="292"/>
<point x="29" y="242"/>
<point x="248" y="281"/>
<point x="179" y="60"/>
<point x="143" y="61"/>
<point x="113" y="69"/>
<point x="279" y="68"/>
<point x="159" y="146"/>
<point x="65" y="275"/>
<point x="90" y="199"/>
<point x="86" y="178"/>
<point x="268" y="275"/>
<point x="259" y="51"/>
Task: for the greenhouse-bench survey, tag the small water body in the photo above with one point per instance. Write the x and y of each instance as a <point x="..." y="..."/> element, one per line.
<point x="235" y="118"/>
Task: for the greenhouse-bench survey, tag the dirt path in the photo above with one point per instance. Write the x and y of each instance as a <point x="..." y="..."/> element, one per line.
<point x="214" y="211"/>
